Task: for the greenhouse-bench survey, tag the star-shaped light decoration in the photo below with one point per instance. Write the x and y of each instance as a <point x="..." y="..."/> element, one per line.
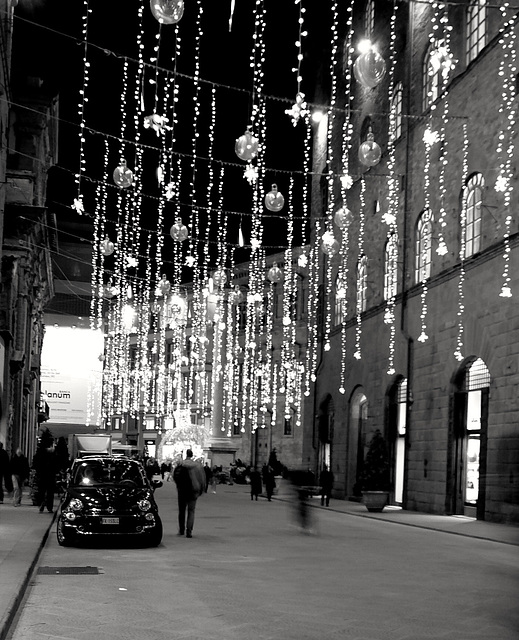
<point x="170" y="190"/>
<point x="389" y="218"/>
<point x="156" y="122"/>
<point x="131" y="262"/>
<point x="430" y="137"/>
<point x="78" y="206"/>
<point x="506" y="292"/>
<point x="190" y="261"/>
<point x="255" y="243"/>
<point x="442" y="248"/>
<point x="302" y="261"/>
<point x="346" y="181"/>
<point x="423" y="337"/>
<point x="251" y="173"/>
<point x="501" y="183"/>
<point x="299" y="109"/>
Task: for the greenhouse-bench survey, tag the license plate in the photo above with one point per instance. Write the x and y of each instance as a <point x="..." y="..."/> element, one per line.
<point x="109" y="520"/>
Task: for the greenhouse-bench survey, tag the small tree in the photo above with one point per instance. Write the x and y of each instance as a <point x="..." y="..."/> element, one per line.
<point x="375" y="473"/>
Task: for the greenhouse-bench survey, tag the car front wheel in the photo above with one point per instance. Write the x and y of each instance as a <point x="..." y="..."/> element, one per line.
<point x="64" y="538"/>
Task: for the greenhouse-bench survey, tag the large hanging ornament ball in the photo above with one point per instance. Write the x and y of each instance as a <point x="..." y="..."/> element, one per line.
<point x="178" y="231"/>
<point x="110" y="291"/>
<point x="330" y="245"/>
<point x="246" y="146"/>
<point x="106" y="247"/>
<point x="123" y="177"/>
<point x="343" y="218"/>
<point x="219" y="278"/>
<point x="369" y="68"/>
<point x="369" y="152"/>
<point x="274" y="200"/>
<point x="167" y="11"/>
<point x="275" y="274"/>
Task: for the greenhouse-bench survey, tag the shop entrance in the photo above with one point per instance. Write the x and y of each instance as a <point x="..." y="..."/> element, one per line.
<point x="397" y="415"/>
<point x="469" y="444"/>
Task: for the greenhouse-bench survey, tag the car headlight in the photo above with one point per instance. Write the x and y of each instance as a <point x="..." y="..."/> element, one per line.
<point x="75" y="504"/>
<point x="144" y="505"/>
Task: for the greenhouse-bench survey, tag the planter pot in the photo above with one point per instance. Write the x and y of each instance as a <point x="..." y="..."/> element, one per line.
<point x="375" y="501"/>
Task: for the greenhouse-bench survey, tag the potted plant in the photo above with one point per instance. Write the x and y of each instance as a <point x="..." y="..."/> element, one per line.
<point x="375" y="474"/>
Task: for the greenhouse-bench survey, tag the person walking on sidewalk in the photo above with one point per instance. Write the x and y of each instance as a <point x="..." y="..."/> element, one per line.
<point x="269" y="480"/>
<point x="326" y="481"/>
<point x="5" y="473"/>
<point x="189" y="477"/>
<point x="46" y="465"/>
<point x="20" y="471"/>
<point x="255" y="484"/>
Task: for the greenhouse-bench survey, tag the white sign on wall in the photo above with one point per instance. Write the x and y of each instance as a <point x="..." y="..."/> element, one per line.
<point x="71" y="375"/>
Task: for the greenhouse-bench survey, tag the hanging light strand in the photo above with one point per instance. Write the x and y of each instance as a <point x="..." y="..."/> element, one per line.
<point x="505" y="148"/>
<point x="78" y="203"/>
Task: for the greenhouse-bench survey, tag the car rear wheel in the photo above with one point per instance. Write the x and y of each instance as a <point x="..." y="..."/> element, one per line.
<point x="64" y="538"/>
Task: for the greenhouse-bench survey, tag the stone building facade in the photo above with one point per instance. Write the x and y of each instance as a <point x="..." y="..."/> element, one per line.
<point x="422" y="335"/>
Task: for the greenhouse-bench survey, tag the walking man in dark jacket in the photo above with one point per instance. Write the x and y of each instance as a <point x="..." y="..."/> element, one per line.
<point x="189" y="477"/>
<point x="5" y="472"/>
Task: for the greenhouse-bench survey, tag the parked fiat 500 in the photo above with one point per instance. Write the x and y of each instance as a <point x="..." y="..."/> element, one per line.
<point x="108" y="497"/>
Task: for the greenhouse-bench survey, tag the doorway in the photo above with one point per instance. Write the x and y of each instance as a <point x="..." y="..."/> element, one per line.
<point x="397" y="414"/>
<point x="326" y="424"/>
<point x="469" y="444"/>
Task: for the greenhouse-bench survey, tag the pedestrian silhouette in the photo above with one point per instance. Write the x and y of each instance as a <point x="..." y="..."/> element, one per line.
<point x="255" y="484"/>
<point x="189" y="477"/>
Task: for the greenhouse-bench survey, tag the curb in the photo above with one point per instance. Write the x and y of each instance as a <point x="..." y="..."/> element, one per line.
<point x="14" y="605"/>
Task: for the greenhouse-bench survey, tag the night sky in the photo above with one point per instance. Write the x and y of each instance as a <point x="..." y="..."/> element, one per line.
<point x="56" y="55"/>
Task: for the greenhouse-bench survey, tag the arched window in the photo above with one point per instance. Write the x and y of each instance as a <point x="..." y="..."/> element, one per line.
<point x="340" y="299"/>
<point x="476" y="29"/>
<point x="390" y="267"/>
<point x="396" y="111"/>
<point x="473" y="195"/>
<point x="362" y="284"/>
<point x="423" y="246"/>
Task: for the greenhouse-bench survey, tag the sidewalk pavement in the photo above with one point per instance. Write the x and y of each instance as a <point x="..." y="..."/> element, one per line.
<point x="24" y="531"/>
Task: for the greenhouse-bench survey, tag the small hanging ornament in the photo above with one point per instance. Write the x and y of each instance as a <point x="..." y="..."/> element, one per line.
<point x="178" y="231"/>
<point x="236" y="296"/>
<point x="369" y="151"/>
<point x="123" y="177"/>
<point x="110" y="291"/>
<point x="190" y="261"/>
<point x="163" y="287"/>
<point x="107" y="247"/>
<point x="369" y="68"/>
<point x="246" y="146"/>
<point x="219" y="278"/>
<point x="167" y="11"/>
<point x="299" y="109"/>
<point x="274" y="200"/>
<point x="329" y="245"/>
<point x="155" y="122"/>
<point x="274" y="273"/>
<point x="343" y="218"/>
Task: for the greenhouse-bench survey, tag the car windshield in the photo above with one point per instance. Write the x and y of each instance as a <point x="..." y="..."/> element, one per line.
<point x="95" y="472"/>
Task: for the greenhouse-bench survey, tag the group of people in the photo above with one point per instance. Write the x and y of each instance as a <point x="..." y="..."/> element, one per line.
<point x="193" y="479"/>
